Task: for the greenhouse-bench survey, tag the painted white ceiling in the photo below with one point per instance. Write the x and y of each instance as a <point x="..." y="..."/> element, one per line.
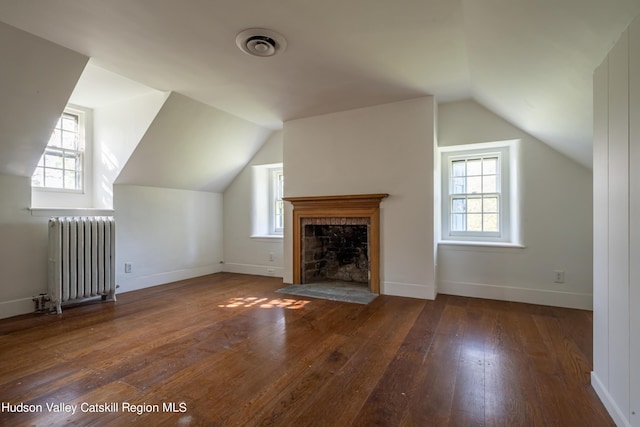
<point x="98" y="88"/>
<point x="530" y="61"/>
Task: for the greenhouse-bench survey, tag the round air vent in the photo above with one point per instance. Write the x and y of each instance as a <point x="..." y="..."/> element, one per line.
<point x="260" y="42"/>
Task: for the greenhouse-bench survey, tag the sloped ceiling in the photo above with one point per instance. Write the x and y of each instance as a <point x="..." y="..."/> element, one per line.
<point x="29" y="104"/>
<point x="192" y="146"/>
<point x="530" y="61"/>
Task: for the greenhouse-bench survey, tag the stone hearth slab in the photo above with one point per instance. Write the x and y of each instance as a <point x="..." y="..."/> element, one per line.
<point x="334" y="291"/>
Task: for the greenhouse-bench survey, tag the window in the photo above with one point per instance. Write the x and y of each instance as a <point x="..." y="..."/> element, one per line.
<point x="268" y="206"/>
<point x="277" y="204"/>
<point x="476" y="197"/>
<point x="61" y="167"/>
<point x="474" y="194"/>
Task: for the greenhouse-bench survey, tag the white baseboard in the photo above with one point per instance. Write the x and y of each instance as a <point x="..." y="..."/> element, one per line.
<point x="258" y="270"/>
<point x="287" y="278"/>
<point x="618" y="416"/>
<point x="16" y="307"/>
<point x="525" y="295"/>
<point x="127" y="284"/>
<point x="410" y="290"/>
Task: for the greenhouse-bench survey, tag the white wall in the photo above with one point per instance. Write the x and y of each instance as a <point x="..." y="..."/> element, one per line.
<point x="23" y="248"/>
<point x="616" y="340"/>
<point x="193" y="146"/>
<point x="166" y="235"/>
<point x="118" y="128"/>
<point x="556" y="222"/>
<point x="382" y="149"/>
<point x="242" y="253"/>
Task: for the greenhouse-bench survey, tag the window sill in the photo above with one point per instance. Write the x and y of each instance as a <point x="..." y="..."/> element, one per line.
<point x="480" y="244"/>
<point x="70" y="212"/>
<point x="57" y="190"/>
<point x="266" y="236"/>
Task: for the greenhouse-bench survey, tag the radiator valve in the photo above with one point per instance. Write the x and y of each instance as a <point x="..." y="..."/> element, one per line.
<point x="41" y="302"/>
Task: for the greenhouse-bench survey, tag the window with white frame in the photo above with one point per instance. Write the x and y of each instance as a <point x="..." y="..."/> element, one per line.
<point x="476" y="196"/>
<point x="277" y="204"/>
<point x="61" y="167"/>
<point x="267" y="217"/>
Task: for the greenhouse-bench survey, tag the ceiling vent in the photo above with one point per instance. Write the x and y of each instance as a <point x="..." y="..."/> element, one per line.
<point x="260" y="42"/>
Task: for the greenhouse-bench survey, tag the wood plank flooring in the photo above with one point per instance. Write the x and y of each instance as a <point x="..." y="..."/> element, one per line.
<point x="226" y="350"/>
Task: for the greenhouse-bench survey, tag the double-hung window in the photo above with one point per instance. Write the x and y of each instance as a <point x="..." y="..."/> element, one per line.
<point x="268" y="207"/>
<point x="61" y="167"/>
<point x="277" y="204"/>
<point x="476" y="197"/>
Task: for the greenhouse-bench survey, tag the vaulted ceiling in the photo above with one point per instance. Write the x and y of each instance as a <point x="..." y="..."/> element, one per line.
<point x="530" y="61"/>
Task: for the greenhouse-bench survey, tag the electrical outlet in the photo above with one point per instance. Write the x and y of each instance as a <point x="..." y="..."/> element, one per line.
<point x="127" y="267"/>
<point x="558" y="276"/>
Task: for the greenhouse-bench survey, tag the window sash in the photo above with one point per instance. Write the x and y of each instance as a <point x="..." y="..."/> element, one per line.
<point x="474" y="195"/>
<point x="61" y="167"/>
<point x="476" y="192"/>
<point x="475" y="214"/>
<point x="277" y="209"/>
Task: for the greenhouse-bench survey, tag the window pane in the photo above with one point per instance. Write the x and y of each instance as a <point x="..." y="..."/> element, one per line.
<point x="53" y="160"/>
<point x="69" y="140"/>
<point x="70" y="162"/>
<point x="458" y="168"/>
<point x="70" y="180"/>
<point x="457" y="186"/>
<point x="458" y="222"/>
<point x="69" y="123"/>
<point x="490" y="166"/>
<point x="458" y="205"/>
<point x="474" y="184"/>
<point x="53" y="178"/>
<point x="490" y="184"/>
<point x="474" y="204"/>
<point x="279" y="215"/>
<point x="474" y="167"/>
<point x="490" y="204"/>
<point x="490" y="222"/>
<point x="474" y="222"/>
<point x="279" y="186"/>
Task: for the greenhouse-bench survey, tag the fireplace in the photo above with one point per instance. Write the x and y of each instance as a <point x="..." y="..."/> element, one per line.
<point x="337" y="238"/>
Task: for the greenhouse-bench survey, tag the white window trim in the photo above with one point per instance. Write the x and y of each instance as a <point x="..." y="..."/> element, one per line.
<point x="509" y="211"/>
<point x="82" y="124"/>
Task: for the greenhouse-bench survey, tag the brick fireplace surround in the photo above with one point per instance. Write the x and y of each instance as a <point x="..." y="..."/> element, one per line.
<point x="338" y="210"/>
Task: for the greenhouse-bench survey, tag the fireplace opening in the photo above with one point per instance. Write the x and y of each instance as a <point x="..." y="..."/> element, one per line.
<point x="335" y="253"/>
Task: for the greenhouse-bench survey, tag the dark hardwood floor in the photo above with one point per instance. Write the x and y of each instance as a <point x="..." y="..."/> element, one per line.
<point x="227" y="350"/>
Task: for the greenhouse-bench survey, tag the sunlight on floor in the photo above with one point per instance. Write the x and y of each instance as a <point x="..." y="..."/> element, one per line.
<point x="290" y="304"/>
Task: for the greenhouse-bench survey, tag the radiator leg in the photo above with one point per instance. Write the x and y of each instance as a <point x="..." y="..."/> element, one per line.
<point x="59" y="307"/>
